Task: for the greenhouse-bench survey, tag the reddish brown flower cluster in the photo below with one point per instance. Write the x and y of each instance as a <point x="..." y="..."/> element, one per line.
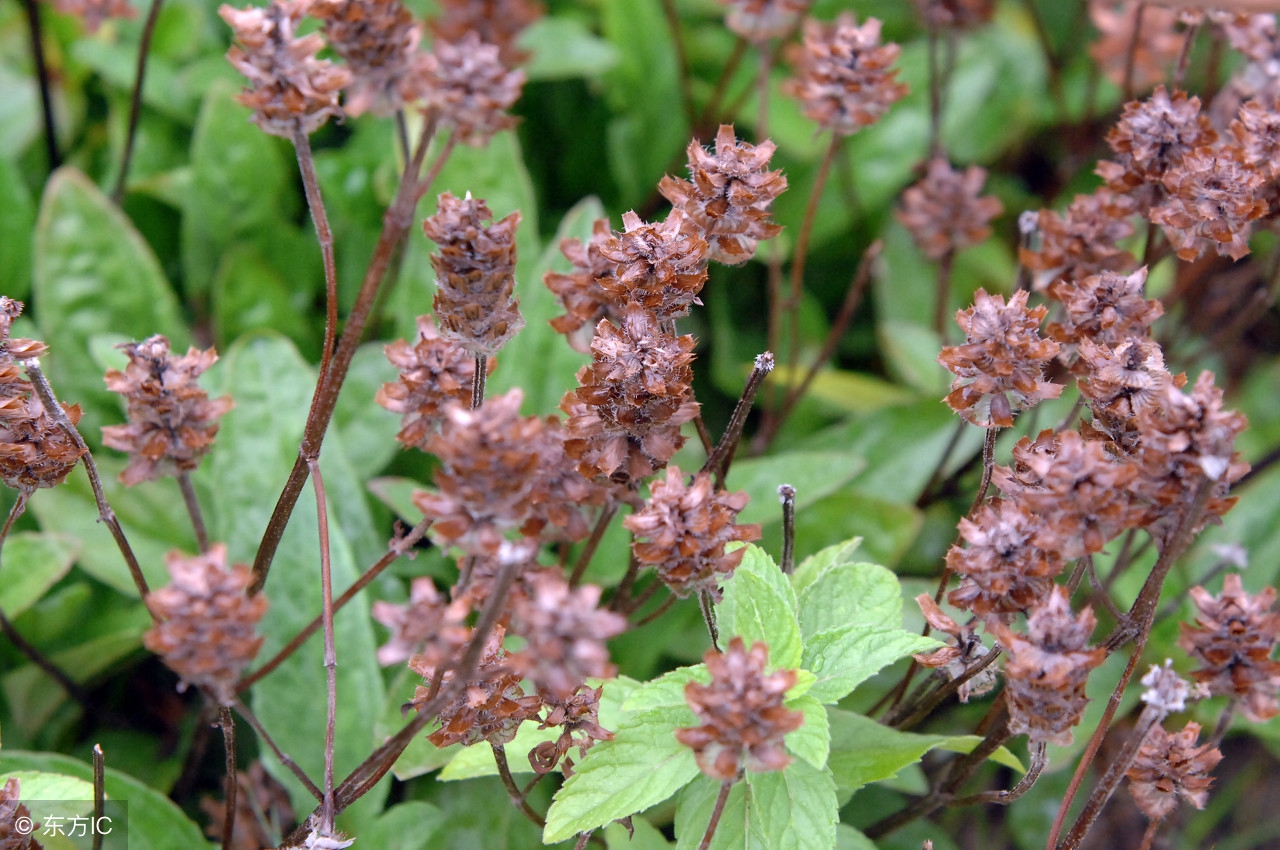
<point x="578" y="719"/>
<point x="579" y="291"/>
<point x="95" y="13"/>
<point x="172" y="421"/>
<point x="843" y="79"/>
<point x="1211" y="198"/>
<point x="1000" y="367"/>
<point x="957" y="14"/>
<point x="1151" y="137"/>
<point x="943" y="211"/>
<point x="434" y="372"/>
<point x="743" y="717"/>
<point x="760" y="20"/>
<point x="427" y="626"/>
<point x="1084" y="240"/>
<point x="1233" y="639"/>
<point x="1047" y="669"/>
<point x="960" y="655"/>
<point x="658" y="267"/>
<point x="497" y="22"/>
<point x="475" y="274"/>
<point x="1152" y="55"/>
<point x="466" y="82"/>
<point x="1005" y="568"/>
<point x="682" y="531"/>
<point x="1170" y="767"/>
<point x="1107" y="308"/>
<point x="290" y="90"/>
<point x="729" y="197"/>
<point x="11" y="810"/>
<point x="207" y="631"/>
<point x="378" y="39"/>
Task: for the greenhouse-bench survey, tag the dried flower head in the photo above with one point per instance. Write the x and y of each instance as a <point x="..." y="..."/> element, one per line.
<point x="743" y="717"/>
<point x="1233" y="639"/>
<point x="843" y="80"/>
<point x="11" y="810"/>
<point x="290" y="90"/>
<point x="578" y="719"/>
<point x="1168" y="692"/>
<point x="579" y="291"/>
<point x="35" y="450"/>
<point x="760" y="20"/>
<point x="172" y="421"/>
<point x="1047" y="668"/>
<point x="1257" y="134"/>
<point x="1152" y="53"/>
<point x="1000" y="367"/>
<point x="263" y="811"/>
<point x="378" y="40"/>
<point x="15" y="348"/>
<point x="423" y="626"/>
<point x="465" y="80"/>
<point x="1151" y="137"/>
<point x="433" y="373"/>
<point x="660" y="267"/>
<point x="1006" y="566"/>
<point x="943" y="210"/>
<point x="957" y="658"/>
<point x="1211" y="199"/>
<point x="207" y="631"/>
<point x="95" y="13"/>
<point x="1169" y="767"/>
<point x="956" y="14"/>
<point x="1084" y="240"/>
<point x="729" y="197"/>
<point x="475" y="274"/>
<point x="497" y="22"/>
<point x="682" y="531"/>
<point x="1108" y="308"/>
<point x="1120" y="383"/>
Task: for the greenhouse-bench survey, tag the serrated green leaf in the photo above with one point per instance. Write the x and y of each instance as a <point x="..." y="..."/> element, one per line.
<point x="759" y="605"/>
<point x="813" y="474"/>
<point x="816" y="564"/>
<point x="646" y="836"/>
<point x="693" y="814"/>
<point x="93" y="273"/>
<point x="664" y="693"/>
<point x="851" y="594"/>
<point x="39" y="785"/>
<point x="811" y="741"/>
<point x="33" y="563"/>
<point x="792" y="809"/>
<point x="846" y="656"/>
<point x="848" y="838"/>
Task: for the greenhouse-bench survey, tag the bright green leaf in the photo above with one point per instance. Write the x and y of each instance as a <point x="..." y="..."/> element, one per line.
<point x="33" y="563"/>
<point x="563" y="48"/>
<point x="851" y="594"/>
<point x="39" y="785"/>
<point x="846" y="656"/>
<point x="812" y="740"/>
<point x="792" y="809"/>
<point x="17" y="219"/>
<point x="813" y="474"/>
<point x="646" y="836"/>
<point x="397" y="494"/>
<point x="848" y="838"/>
<point x="816" y="564"/>
<point x="666" y="693"/>
<point x="411" y="825"/>
<point x="759" y="605"/>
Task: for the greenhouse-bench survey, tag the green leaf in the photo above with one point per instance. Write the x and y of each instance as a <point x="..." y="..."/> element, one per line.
<point x="248" y="294"/>
<point x="811" y="741"/>
<point x="693" y="814"/>
<point x="851" y="594"/>
<point x="19" y="111"/>
<point x="816" y="564"/>
<point x="33" y="563"/>
<point x="17" y="220"/>
<point x="792" y="809"/>
<point x="813" y="474"/>
<point x="665" y="693"/>
<point x="411" y="825"/>
<point x="155" y="823"/>
<point x="397" y="494"/>
<point x="39" y="785"/>
<point x="911" y="353"/>
<point x="844" y="391"/>
<point x="563" y="49"/>
<point x="646" y="836"/>
<point x="846" y="656"/>
<point x="94" y="273"/>
<point x="368" y="429"/>
<point x="759" y="605"/>
<point x="848" y="838"/>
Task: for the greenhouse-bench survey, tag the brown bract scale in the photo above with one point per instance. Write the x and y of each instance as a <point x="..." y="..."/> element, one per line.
<point x="1083" y="240"/>
<point x="963" y="652"/>
<point x="564" y="631"/>
<point x="1000" y="367"/>
<point x="1006" y="567"/>
<point x="1252" y="35"/>
<point x="1152" y="55"/>
<point x="760" y="20"/>
<point x="682" y="531"/>
<point x="434" y="372"/>
<point x="497" y="22"/>
<point x="1211" y="199"/>
<point x="1170" y="767"/>
<point x="743" y="717"/>
<point x="943" y="210"/>
<point x="290" y="90"/>
<point x="467" y="83"/>
<point x="423" y="627"/>
<point x="579" y="291"/>
<point x="378" y="40"/>
<point x="957" y="14"/>
<point x="172" y="420"/>
<point x="843" y="80"/>
<point x="1233" y="639"/>
<point x="1119" y="383"/>
<point x="1047" y="669"/>
<point x="625" y="417"/>
<point x="1107" y="308"/>
<point x="1257" y="135"/>
<point x="659" y="267"/>
<point x="728" y="199"/>
<point x="1151" y="137"/>
<point x="206" y="635"/>
<point x="578" y="718"/>
<point x="95" y="13"/>
<point x="475" y="274"/>
<point x="15" y="348"/>
<point x="11" y="810"/>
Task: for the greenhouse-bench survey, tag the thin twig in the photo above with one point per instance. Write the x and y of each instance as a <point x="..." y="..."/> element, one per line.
<point x="193" y="510"/>
<point x="281" y="755"/>
<point x="99" y="793"/>
<point x="718" y="462"/>
<point x="315" y="202"/>
<point x="802" y="246"/>
<point x="1130" y="59"/>
<point x="477" y="381"/>
<point x="135" y="101"/>
<point x="607" y="513"/>
<point x="1004" y="798"/>
<point x="330" y="650"/>
<point x="1184" y="58"/>
<point x="36" y="33"/>
<point x="721" y="799"/>
<point x="787" y="495"/>
<point x="513" y="791"/>
<point x="762" y="86"/>
<point x="228" y="725"/>
<point x="704" y="604"/>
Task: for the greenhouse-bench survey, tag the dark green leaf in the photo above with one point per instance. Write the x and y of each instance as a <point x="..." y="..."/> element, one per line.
<point x="17" y="219"/>
<point x="33" y="563"/>
<point x="563" y="48"/>
<point x="411" y="825"/>
<point x="813" y="474"/>
<point x="248" y="294"/>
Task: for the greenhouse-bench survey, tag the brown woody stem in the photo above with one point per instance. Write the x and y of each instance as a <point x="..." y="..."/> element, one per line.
<point x="716" y="813"/>
<point x="718" y="462"/>
<point x="135" y="101"/>
<point x="99" y="792"/>
<point x="36" y="34"/>
<point x="330" y="650"/>
<point x="281" y="755"/>
<point x="315" y="202"/>
<point x="787" y="495"/>
<point x="513" y="790"/>
<point x="228" y="725"/>
<point x="192" y="502"/>
<point x="477" y="381"/>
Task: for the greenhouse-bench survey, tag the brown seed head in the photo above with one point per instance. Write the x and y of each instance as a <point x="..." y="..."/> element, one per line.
<point x="1151" y="137"/>
<point x="944" y="212"/>
<point x="497" y="22"/>
<point x="1108" y="308"/>
<point x="465" y="80"/>
<point x="1169" y="767"/>
<point x="172" y="421"/>
<point x="1257" y="134"/>
<point x="290" y="90"/>
<point x="378" y="40"/>
<point x="1152" y="55"/>
<point x="475" y="274"/>
<point x="578" y="718"/>
<point x="207" y="631"/>
<point x="760" y="20"/>
<point x="15" y="348"/>
<point x="743" y="717"/>
<point x="1083" y="240"/>
<point x="433" y="373"/>
<point x="1006" y="567"/>
<point x="579" y="291"/>
<point x="729" y="197"/>
<point x="1119" y="383"/>
<point x="659" y="267"/>
<point x="843" y="80"/>
<point x="682" y="531"/>
<point x="1211" y="199"/>
<point x="961" y="654"/>
<point x="427" y="626"/>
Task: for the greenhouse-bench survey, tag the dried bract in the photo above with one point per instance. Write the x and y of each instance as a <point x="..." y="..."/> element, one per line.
<point x="578" y="718"/>
<point x="1211" y="199"/>
<point x="497" y="22"/>
<point x="579" y="291"/>
<point x="1084" y="240"/>
<point x="1152" y="54"/>
<point x="378" y="40"/>
<point x="12" y="837"/>
<point x="1151" y="137"/>
<point x="466" y="81"/>
<point x="433" y="373"/>
<point x="1108" y="308"/>
<point x="962" y="654"/>
<point x="1169" y="767"/>
<point x="423" y="626"/>
<point x="1006" y="569"/>
<point x="760" y="20"/>
<point x="943" y="210"/>
<point x="1257" y="134"/>
<point x="659" y="267"/>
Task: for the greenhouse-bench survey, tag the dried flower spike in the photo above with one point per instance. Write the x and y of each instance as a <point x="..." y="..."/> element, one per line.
<point x="497" y="22"/>
<point x="1151" y="137"/>
<point x="1083" y="240"/>
<point x="943" y="211"/>
<point x="760" y="20"/>
<point x="470" y="87"/>
<point x="578" y="718"/>
<point x="957" y="14"/>
<point x="1169" y="767"/>
<point x="1152" y="54"/>
<point x="1108" y="308"/>
<point x="743" y="717"/>
<point x="1006" y="566"/>
<point x="207" y="631"/>
<point x="579" y="291"/>
<point x="963" y="653"/>
<point x="659" y="267"/>
<point x="11" y="810"/>
<point x="172" y="421"/>
<point x="378" y="40"/>
<point x="290" y="90"/>
<point x="1212" y="196"/>
<point x="433" y="372"/>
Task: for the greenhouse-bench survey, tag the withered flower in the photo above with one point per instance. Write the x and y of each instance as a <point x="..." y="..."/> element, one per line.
<point x="378" y="40"/>
<point x="427" y="626"/>
<point x="290" y="90"/>
<point x="1257" y="134"/>
<point x="1006" y="567"/>
<point x="207" y="631"/>
<point x="433" y="373"/>
<point x="760" y="20"/>
<point x="1083" y="240"/>
<point x="1000" y="367"/>
<point x="1211" y="199"/>
<point x="1233" y="639"/>
<point x="467" y="83"/>
<point x="843" y="80"/>
<point x="957" y="14"/>
<point x="95" y="13"/>
<point x="943" y="210"/>
<point x="1120" y="383"/>
<point x="172" y="421"/>
<point x="729" y="196"/>
<point x="1169" y="767"/>
<point x="682" y="531"/>
<point x="1047" y="668"/>
<point x="578" y="719"/>
<point x="1108" y="308"/>
<point x="660" y="267"/>
<point x="743" y="717"/>
<point x="1152" y="136"/>
<point x="957" y="658"/>
<point x="497" y="22"/>
<point x="579" y="291"/>
<point x="475" y="274"/>
<point x="1152" y="54"/>
<point x="11" y="809"/>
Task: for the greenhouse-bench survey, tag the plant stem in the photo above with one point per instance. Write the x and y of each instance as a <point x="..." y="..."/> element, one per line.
<point x="99" y="792"/>
<point x="281" y="755"/>
<point x="228" y="725"/>
<point x="1131" y="54"/>
<point x="36" y="34"/>
<point x="721" y="799"/>
<point x="513" y="790"/>
<point x="935" y="93"/>
<point x="315" y="202"/>
<point x="41" y="385"/>
<point x="193" y="510"/>
<point x="477" y="381"/>
<point x="787" y="495"/>
<point x="722" y="84"/>
<point x="718" y="462"/>
<point x="607" y="514"/>
<point x="135" y="101"/>
<point x="802" y="246"/>
<point x="704" y="604"/>
<point x="1184" y="58"/>
<point x="657" y="612"/>
<point x="330" y="650"/>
